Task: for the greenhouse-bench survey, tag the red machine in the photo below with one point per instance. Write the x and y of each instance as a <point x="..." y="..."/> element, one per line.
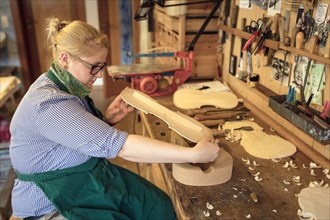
<point x="156" y="79"/>
<point x="161" y="79"/>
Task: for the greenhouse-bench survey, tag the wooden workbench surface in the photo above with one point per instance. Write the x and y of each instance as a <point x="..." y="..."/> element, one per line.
<point x="276" y="200"/>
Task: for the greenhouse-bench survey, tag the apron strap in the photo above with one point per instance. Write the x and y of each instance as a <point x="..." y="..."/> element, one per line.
<point x="50" y="175"/>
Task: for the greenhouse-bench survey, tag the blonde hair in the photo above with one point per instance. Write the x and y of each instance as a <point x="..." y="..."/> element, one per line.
<point x="77" y="38"/>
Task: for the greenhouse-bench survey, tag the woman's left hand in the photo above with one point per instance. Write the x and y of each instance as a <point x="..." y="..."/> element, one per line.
<point x="117" y="110"/>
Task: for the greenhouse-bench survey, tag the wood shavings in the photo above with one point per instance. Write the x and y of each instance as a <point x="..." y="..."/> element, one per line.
<point x="252" y="168"/>
<point x="296" y="179"/>
<point x="246" y="161"/>
<point x="304" y="216"/>
<point x="254" y="197"/>
<point x="327" y="173"/>
<point x="286" y="165"/>
<point x="293" y="165"/>
<point x="206" y="213"/>
<point x="218" y="213"/>
<point x="258" y="179"/>
<point x="286" y="182"/>
<point x="315" y="183"/>
<point x="209" y="206"/>
<point x="234" y="188"/>
<point x="276" y="160"/>
<point x="313" y="165"/>
<point x="233" y="136"/>
<point x="256" y="174"/>
<point x="312" y="173"/>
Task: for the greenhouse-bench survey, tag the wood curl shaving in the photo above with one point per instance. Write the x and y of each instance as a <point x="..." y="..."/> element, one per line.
<point x="286" y="182"/>
<point x="312" y="173"/>
<point x="276" y="160"/>
<point x="209" y="206"/>
<point x="206" y="213"/>
<point x="218" y="213"/>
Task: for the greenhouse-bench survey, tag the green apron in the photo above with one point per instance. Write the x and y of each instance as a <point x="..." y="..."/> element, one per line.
<point x="100" y="190"/>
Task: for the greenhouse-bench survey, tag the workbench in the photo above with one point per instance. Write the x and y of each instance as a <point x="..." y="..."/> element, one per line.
<point x="276" y="200"/>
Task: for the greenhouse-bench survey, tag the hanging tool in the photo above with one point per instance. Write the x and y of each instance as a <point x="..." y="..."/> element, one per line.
<point x="271" y="52"/>
<point x="254" y="28"/>
<point x="281" y="23"/>
<point x="225" y="20"/>
<point x="243" y="41"/>
<point x="290" y="98"/>
<point x="260" y="34"/>
<point x="286" y="28"/>
<point x="233" y="22"/>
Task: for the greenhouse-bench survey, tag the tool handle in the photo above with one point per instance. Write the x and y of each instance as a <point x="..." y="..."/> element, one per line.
<point x="306" y="111"/>
<point x="281" y="23"/>
<point x="275" y="25"/>
<point x="203" y="117"/>
<point x="234" y="15"/>
<point x="287" y="22"/>
<point x="217" y="132"/>
<point x="300" y="39"/>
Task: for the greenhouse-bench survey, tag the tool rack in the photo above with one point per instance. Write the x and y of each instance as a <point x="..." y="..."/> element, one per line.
<point x="258" y="99"/>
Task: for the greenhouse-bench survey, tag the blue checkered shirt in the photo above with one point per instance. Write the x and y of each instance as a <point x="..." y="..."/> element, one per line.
<point x="53" y="130"/>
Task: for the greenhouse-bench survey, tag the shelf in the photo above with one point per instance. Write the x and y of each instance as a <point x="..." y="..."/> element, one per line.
<point x="277" y="45"/>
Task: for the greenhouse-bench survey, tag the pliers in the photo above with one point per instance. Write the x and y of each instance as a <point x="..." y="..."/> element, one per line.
<point x="259" y="35"/>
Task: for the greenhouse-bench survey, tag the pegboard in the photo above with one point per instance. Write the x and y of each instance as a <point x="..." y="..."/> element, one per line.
<point x="259" y="61"/>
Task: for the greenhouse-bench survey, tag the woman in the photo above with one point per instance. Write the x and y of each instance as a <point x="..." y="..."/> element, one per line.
<point x="60" y="142"/>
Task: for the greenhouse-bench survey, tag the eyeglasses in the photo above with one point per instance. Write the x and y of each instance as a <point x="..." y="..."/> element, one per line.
<point x="95" y="68"/>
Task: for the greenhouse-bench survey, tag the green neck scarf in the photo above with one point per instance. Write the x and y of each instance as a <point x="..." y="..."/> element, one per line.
<point x="67" y="83"/>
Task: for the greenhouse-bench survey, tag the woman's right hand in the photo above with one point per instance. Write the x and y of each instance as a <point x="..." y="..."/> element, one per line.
<point x="205" y="151"/>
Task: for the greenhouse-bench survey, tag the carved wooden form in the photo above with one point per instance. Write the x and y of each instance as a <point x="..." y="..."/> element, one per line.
<point x="214" y="173"/>
<point x="217" y="172"/>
